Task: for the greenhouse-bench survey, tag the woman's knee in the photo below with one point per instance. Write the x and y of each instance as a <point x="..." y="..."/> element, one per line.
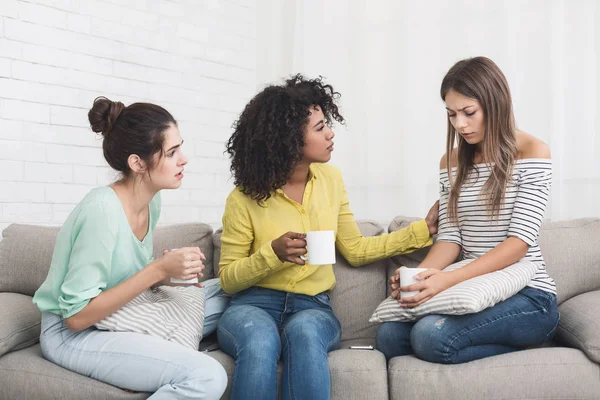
<point x="312" y="328"/>
<point x="430" y="340"/>
<point x="209" y="381"/>
<point x="250" y="330"/>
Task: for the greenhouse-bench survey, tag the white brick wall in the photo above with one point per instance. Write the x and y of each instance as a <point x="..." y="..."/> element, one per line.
<point x="196" y="58"/>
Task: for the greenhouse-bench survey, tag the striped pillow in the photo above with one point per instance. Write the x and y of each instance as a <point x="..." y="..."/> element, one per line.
<point x="174" y="313"/>
<point x="470" y="296"/>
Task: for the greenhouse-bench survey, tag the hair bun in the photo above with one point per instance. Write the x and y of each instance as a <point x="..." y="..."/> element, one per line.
<point x="103" y="114"/>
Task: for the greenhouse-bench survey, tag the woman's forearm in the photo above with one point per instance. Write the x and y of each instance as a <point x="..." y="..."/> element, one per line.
<point x="510" y="251"/>
<point x="111" y="300"/>
<point x="441" y="255"/>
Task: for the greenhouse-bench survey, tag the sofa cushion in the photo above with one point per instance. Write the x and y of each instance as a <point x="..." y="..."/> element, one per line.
<point x="20" y="326"/>
<point x="358" y="291"/>
<point x="547" y="373"/>
<point x="26" y="252"/>
<point x="25" y="374"/>
<point x="579" y="324"/>
<point x="467" y="297"/>
<point x="173" y="313"/>
<point x="25" y="257"/>
<point x="570" y="250"/>
<point x="572" y="255"/>
<point x="355" y="374"/>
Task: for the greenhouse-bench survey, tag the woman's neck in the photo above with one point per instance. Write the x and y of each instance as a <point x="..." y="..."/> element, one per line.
<point x="300" y="175"/>
<point x="135" y="196"/>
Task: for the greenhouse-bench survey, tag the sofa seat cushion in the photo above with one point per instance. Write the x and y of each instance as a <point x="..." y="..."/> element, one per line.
<point x="355" y="374"/>
<point x="20" y="322"/>
<point x="579" y="324"/>
<point x="546" y="373"/>
<point x="25" y="374"/>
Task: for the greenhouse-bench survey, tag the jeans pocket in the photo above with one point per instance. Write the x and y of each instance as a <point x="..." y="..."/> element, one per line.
<point x="323" y="299"/>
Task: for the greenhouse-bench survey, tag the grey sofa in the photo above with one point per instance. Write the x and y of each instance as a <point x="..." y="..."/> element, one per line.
<point x="567" y="369"/>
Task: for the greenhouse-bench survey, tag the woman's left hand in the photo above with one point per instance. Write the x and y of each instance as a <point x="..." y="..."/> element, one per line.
<point x="433" y="282"/>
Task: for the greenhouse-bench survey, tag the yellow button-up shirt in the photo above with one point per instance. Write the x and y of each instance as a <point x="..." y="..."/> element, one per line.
<point x="248" y="259"/>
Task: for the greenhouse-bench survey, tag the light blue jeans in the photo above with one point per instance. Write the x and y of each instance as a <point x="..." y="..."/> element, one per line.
<point x="140" y="362"/>
<point x="261" y="325"/>
<point x="528" y="318"/>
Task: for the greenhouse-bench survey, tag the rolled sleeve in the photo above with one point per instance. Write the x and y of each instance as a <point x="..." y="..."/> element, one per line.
<point x="94" y="241"/>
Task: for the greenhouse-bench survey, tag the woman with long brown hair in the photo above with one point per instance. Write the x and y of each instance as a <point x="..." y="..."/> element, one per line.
<point x="494" y="188"/>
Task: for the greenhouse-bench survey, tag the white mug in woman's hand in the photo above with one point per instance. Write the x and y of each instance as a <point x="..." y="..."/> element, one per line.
<point x="184" y="281"/>
<point x="321" y="247"/>
<point x="407" y="277"/>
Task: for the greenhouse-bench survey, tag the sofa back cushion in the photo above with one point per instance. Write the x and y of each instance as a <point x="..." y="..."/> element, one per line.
<point x="571" y="250"/>
<point x="358" y="290"/>
<point x="26" y="252"/>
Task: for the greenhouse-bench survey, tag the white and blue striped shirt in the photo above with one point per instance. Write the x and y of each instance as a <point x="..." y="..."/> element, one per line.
<point x="520" y="215"/>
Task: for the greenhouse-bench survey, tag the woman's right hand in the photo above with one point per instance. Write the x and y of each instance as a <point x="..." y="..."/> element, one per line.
<point x="184" y="263"/>
<point x="289" y="247"/>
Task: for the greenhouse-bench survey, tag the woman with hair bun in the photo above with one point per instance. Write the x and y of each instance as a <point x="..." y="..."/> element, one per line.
<point x="103" y="259"/>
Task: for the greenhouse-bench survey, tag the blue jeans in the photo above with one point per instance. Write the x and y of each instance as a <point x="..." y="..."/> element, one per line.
<point x="261" y="325"/>
<point x="140" y="362"/>
<point x="528" y="318"/>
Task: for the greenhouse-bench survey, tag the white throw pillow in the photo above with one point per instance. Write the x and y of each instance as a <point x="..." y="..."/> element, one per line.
<point x="467" y="297"/>
<point x="174" y="313"/>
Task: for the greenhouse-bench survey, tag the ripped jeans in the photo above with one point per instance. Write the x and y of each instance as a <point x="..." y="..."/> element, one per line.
<point x="528" y="318"/>
<point x="263" y="325"/>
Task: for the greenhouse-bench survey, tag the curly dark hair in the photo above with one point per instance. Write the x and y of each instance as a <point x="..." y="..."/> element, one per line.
<point x="267" y="142"/>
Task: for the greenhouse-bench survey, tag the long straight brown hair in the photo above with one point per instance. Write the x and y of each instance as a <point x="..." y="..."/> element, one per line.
<point x="479" y="78"/>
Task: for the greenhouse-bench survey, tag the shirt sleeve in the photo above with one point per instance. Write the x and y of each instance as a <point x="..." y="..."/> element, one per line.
<point x="447" y="231"/>
<point x="533" y="191"/>
<point x="238" y="269"/>
<point x="359" y="250"/>
<point x="93" y="243"/>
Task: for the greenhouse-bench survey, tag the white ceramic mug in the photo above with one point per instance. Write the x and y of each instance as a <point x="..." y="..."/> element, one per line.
<point x="407" y="277"/>
<point x="185" y="281"/>
<point x="321" y="247"/>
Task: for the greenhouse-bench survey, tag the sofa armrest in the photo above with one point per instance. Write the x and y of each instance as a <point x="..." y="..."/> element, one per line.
<point x="580" y="323"/>
<point x="20" y="322"/>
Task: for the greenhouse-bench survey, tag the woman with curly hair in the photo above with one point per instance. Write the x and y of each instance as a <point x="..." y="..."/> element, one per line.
<point x="284" y="188"/>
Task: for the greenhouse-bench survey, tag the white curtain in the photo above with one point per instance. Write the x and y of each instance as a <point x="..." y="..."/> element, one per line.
<point x="388" y="58"/>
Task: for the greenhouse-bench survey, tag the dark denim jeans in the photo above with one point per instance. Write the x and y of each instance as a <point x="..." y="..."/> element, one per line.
<point x="261" y="325"/>
<point x="528" y="318"/>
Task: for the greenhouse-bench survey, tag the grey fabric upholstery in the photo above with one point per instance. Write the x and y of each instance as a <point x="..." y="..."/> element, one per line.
<point x="571" y="250"/>
<point x="26" y="375"/>
<point x="579" y="324"/>
<point x="548" y="373"/>
<point x="358" y="291"/>
<point x="25" y="257"/>
<point x="19" y="322"/>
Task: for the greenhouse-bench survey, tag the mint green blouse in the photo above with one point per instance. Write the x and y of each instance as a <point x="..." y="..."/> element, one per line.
<point x="95" y="250"/>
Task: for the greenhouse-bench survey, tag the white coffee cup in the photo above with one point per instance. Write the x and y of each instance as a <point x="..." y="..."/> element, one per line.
<point x="185" y="281"/>
<point x="321" y="247"/>
<point x="407" y="277"/>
